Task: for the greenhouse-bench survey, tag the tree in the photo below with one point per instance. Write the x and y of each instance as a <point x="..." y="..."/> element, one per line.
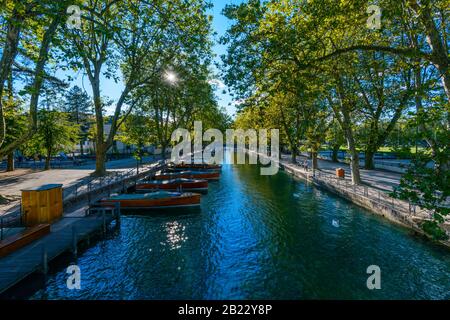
<point x="277" y="41"/>
<point x="137" y="130"/>
<point x="429" y="189"/>
<point x="132" y="35"/>
<point x="385" y="92"/>
<point x="55" y="134"/>
<point x="35" y="24"/>
<point x="16" y="124"/>
<point x="78" y="105"/>
<point x="335" y="138"/>
<point x="15" y="120"/>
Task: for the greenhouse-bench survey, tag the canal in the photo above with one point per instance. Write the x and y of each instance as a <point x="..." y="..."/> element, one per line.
<point x="258" y="237"/>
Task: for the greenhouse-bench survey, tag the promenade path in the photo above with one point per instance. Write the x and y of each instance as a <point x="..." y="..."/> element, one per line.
<point x="379" y="179"/>
<point x="12" y="185"/>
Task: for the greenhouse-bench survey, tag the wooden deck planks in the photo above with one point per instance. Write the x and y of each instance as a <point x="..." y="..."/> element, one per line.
<point x="18" y="265"/>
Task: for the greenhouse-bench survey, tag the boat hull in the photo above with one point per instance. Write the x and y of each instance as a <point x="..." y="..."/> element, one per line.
<point x="186" y="200"/>
<point x="197" y="166"/>
<point x="173" y="169"/>
<point x="198" y="186"/>
<point x="190" y="175"/>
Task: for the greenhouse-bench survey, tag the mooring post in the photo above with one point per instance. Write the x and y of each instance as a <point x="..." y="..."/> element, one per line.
<point x="104" y="220"/>
<point x="74" y="242"/>
<point x="44" y="259"/>
<point x="118" y="214"/>
<point x="1" y="228"/>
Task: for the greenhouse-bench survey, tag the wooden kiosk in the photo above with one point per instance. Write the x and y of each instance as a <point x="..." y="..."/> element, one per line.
<point x="42" y="204"/>
<point x="40" y="207"/>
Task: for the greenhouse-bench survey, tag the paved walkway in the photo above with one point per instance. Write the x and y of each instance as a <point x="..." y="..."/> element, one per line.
<point x="380" y="179"/>
<point x="12" y="186"/>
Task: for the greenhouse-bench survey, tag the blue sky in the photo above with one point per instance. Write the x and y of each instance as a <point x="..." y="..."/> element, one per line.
<point x="220" y="25"/>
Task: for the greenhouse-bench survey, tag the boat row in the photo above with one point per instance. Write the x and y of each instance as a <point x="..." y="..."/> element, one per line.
<point x="177" y="186"/>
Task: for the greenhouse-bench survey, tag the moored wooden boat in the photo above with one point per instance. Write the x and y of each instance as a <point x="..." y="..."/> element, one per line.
<point x="195" y="166"/>
<point x="174" y="184"/>
<point x="154" y="200"/>
<point x="207" y="175"/>
<point x="174" y="169"/>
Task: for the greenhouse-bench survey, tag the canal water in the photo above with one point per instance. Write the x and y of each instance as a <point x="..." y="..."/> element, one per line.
<point x="258" y="237"/>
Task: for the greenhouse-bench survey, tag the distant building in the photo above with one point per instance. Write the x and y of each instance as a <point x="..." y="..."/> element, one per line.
<point x="118" y="146"/>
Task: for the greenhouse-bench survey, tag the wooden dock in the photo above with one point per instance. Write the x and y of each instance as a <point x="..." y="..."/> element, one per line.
<point x="64" y="236"/>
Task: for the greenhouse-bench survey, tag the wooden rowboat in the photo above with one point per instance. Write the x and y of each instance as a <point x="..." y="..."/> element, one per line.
<point x="195" y="166"/>
<point x="174" y="184"/>
<point x="154" y="200"/>
<point x="176" y="169"/>
<point x="207" y="175"/>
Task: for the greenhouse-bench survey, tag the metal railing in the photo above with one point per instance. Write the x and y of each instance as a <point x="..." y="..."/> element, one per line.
<point x="106" y="182"/>
<point x="404" y="207"/>
<point x="377" y="163"/>
<point x="53" y="164"/>
<point x="402" y="210"/>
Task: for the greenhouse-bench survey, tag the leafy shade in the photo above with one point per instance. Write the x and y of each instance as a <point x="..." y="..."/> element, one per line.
<point x="428" y="188"/>
<point x="55" y="134"/>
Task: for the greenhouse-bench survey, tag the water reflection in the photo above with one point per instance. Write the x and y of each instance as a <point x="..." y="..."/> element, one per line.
<point x="175" y="234"/>
<point x="253" y="239"/>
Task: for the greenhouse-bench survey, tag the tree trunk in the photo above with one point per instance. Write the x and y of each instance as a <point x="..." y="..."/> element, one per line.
<point x="47" y="160"/>
<point x="334" y="156"/>
<point x="294" y="155"/>
<point x="100" y="152"/>
<point x="369" y="162"/>
<point x="346" y="124"/>
<point x="163" y="151"/>
<point x="10" y="162"/>
<point x="354" y="155"/>
<point x="437" y="44"/>
<point x="100" y="155"/>
<point x="354" y="165"/>
<point x="36" y="85"/>
<point x="315" y="162"/>
<point x="81" y="148"/>
<point x="9" y="53"/>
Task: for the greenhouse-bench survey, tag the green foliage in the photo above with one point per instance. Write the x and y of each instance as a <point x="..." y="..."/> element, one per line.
<point x="137" y="130"/>
<point x="16" y="120"/>
<point x="55" y="134"/>
<point x="426" y="184"/>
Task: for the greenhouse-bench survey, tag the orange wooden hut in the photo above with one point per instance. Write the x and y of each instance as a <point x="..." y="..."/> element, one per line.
<point x="42" y="204"/>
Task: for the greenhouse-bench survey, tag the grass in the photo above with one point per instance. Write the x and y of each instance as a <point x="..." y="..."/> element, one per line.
<point x="382" y="149"/>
